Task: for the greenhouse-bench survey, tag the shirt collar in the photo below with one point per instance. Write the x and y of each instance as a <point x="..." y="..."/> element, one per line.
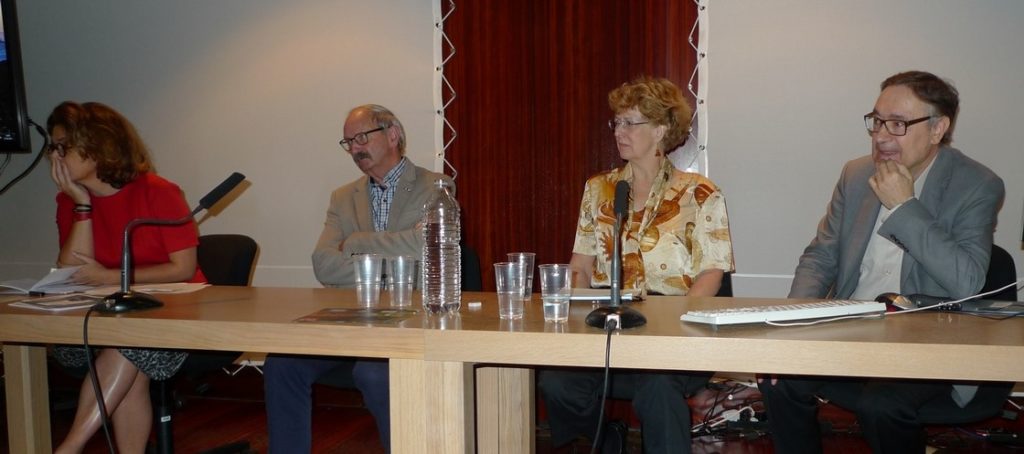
<point x="392" y="176"/>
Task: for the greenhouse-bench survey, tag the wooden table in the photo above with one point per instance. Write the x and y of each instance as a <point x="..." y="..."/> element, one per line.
<point x="437" y="361"/>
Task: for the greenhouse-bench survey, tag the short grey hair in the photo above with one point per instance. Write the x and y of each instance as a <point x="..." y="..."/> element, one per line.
<point x="384" y="118"/>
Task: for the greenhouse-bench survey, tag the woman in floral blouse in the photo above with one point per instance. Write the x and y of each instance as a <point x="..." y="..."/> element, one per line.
<point x="675" y="241"/>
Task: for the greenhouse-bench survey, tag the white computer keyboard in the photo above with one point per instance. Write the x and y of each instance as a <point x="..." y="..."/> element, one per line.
<point x="800" y="311"/>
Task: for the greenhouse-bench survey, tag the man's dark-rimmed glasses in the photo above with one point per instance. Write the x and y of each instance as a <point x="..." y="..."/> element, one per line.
<point x="895" y="127"/>
<point x="359" y="139"/>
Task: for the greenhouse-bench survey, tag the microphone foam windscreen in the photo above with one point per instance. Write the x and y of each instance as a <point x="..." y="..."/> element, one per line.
<point x="221" y="190"/>
<point x="622" y="197"/>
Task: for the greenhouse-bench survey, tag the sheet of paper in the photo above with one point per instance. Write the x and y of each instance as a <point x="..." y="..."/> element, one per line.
<point x="57" y="282"/>
<point x="58" y="303"/>
<point x="16" y="286"/>
<point x="597" y="294"/>
<point x="168" y="288"/>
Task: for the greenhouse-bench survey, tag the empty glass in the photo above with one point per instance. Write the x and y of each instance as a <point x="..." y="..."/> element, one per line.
<point x="526" y="259"/>
<point x="511" y="285"/>
<point x="368" y="268"/>
<point x="402" y="272"/>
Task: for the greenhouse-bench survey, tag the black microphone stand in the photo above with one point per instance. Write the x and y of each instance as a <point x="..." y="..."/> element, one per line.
<point x="628" y="317"/>
<point x="126" y="299"/>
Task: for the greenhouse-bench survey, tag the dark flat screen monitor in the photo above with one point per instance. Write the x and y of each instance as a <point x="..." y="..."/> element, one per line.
<point x="14" y="131"/>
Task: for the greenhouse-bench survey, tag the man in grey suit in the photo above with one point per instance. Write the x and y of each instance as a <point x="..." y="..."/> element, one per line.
<point x="377" y="213"/>
<point x="916" y="216"/>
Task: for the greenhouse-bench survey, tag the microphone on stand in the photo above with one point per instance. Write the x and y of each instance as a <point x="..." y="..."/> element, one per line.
<point x="627" y="317"/>
<point x="126" y="300"/>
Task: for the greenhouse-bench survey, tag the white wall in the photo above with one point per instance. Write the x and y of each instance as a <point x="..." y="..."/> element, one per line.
<point x="790" y="81"/>
<point x="256" y="86"/>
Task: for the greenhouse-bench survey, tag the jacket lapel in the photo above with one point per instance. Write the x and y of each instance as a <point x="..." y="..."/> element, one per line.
<point x="403" y="193"/>
<point x="860" y="233"/>
<point x="364" y="218"/>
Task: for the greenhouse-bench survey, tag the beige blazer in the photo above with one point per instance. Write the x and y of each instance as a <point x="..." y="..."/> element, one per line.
<point x="350" y="222"/>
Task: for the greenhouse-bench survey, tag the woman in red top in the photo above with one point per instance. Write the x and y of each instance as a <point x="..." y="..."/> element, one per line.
<point x="106" y="179"/>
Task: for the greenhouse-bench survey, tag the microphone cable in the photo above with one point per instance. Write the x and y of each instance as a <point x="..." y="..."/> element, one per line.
<point x="94" y="379"/>
<point x="610" y="325"/>
<point x="7" y="160"/>
<point x="35" y="162"/>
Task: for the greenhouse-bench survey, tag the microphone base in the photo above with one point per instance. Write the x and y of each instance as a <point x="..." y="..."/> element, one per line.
<point x="121" y="302"/>
<point x="628" y="317"/>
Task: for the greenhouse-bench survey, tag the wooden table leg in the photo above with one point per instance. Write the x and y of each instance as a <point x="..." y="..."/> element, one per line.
<point x="431" y="407"/>
<point x="28" y="399"/>
<point x="505" y="410"/>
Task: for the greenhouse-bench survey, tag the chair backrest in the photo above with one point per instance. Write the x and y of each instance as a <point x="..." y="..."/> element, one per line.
<point x="726" y="289"/>
<point x="227" y="259"/>
<point x="1001" y="272"/>
<point x="472" y="281"/>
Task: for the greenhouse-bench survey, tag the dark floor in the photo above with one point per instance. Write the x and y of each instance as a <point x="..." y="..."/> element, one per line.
<point x="231" y="409"/>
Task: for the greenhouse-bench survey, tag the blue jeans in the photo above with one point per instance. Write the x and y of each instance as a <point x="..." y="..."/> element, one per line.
<point x="288" y="388"/>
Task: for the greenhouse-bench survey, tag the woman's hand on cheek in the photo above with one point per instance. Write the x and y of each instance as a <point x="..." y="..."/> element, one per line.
<point x="62" y="177"/>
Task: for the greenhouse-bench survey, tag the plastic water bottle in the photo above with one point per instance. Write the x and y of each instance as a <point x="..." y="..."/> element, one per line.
<point x="442" y="258"/>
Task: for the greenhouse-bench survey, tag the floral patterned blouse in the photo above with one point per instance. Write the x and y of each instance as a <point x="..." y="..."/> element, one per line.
<point x="682" y="230"/>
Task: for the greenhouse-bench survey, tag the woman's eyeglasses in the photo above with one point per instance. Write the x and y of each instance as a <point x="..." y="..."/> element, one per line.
<point x="625" y="123"/>
<point x="62" y="149"/>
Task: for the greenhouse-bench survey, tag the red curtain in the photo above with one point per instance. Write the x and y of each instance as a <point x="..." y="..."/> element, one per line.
<point x="531" y="79"/>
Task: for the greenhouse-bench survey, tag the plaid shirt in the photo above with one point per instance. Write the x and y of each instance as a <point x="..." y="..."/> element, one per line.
<point x="381" y="196"/>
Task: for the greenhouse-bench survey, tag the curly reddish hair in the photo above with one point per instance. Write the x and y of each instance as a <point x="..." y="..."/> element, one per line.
<point x="660" y="101"/>
<point x="101" y="133"/>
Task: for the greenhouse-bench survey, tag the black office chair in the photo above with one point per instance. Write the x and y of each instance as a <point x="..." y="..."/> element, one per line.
<point x="726" y="289"/>
<point x="225" y="259"/>
<point x="991" y="396"/>
<point x="1001" y="271"/>
<point x="472" y="281"/>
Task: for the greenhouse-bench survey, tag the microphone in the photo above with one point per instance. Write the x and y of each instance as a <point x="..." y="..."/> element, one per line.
<point x="218" y="192"/>
<point x="626" y="317"/>
<point x="621" y="208"/>
<point x="126" y="300"/>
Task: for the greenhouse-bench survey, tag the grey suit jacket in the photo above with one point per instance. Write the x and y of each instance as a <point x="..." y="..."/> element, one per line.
<point x="945" y="232"/>
<point x="350" y="220"/>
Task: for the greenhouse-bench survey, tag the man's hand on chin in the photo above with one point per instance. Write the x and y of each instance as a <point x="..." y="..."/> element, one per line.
<point x="892" y="183"/>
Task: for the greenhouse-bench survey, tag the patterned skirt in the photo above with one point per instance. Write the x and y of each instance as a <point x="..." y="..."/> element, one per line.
<point x="156" y="364"/>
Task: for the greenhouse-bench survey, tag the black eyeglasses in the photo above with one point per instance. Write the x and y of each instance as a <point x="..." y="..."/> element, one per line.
<point x="360" y="138"/>
<point x="895" y="127"/>
<point x="62" y="149"/>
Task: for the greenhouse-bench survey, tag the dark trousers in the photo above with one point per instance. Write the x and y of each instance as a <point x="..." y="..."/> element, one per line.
<point x="572" y="399"/>
<point x="288" y="390"/>
<point x="886" y="410"/>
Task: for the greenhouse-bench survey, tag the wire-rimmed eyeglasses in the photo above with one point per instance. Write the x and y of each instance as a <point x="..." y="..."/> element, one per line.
<point x="360" y="138"/>
<point x="624" y="122"/>
<point x="895" y="127"/>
